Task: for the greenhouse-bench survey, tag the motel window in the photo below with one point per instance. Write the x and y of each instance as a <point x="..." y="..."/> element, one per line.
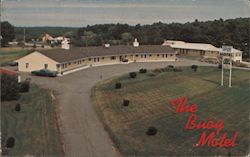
<point x="125" y="56"/>
<point x="145" y="56"/>
<point x="66" y="65"/>
<point x="136" y="55"/>
<point x="166" y="55"/>
<point x="163" y="56"/>
<point x="45" y="66"/>
<point x="150" y="55"/>
<point x="27" y="65"/>
<point x="158" y="55"/>
<point x="75" y="62"/>
<point x="89" y="59"/>
<point x="98" y="59"/>
<point x="102" y="58"/>
<point x="62" y="66"/>
<point x="171" y="54"/>
<point x="94" y="59"/>
<point x="112" y="57"/>
<point x="141" y="56"/>
<point x="69" y="63"/>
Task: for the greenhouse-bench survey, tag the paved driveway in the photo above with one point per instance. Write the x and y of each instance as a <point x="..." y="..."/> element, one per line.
<point x="83" y="133"/>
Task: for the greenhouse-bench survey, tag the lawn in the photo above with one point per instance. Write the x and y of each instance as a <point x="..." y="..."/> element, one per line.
<point x="149" y="95"/>
<point x="34" y="127"/>
<point x="10" y="54"/>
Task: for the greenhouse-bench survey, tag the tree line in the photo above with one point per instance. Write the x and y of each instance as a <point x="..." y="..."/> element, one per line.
<point x="219" y="32"/>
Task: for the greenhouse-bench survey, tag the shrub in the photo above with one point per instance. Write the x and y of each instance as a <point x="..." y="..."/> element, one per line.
<point x="219" y="66"/>
<point x="151" y="131"/>
<point x="9" y="87"/>
<point x="132" y="74"/>
<point x="143" y="70"/>
<point x="24" y="86"/>
<point x="118" y="85"/>
<point x="171" y="66"/>
<point x="167" y="69"/>
<point x="125" y="102"/>
<point x="18" y="107"/>
<point x="10" y="142"/>
<point x="194" y="67"/>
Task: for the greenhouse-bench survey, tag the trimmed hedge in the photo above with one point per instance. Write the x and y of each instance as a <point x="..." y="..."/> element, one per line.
<point x="118" y="85"/>
<point x="143" y="70"/>
<point x="194" y="67"/>
<point x="132" y="74"/>
<point x="151" y="131"/>
<point x="170" y="66"/>
<point x="10" y="142"/>
<point x="125" y="102"/>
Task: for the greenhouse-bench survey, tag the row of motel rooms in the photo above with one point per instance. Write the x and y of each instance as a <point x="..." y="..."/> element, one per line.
<point x="47" y="60"/>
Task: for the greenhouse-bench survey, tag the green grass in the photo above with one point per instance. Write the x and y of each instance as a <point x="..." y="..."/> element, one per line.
<point x="10" y="54"/>
<point x="149" y="106"/>
<point x="34" y="127"/>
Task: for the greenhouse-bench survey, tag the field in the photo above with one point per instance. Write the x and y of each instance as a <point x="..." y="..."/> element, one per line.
<point x="11" y="54"/>
<point x="34" y="127"/>
<point x="149" y="95"/>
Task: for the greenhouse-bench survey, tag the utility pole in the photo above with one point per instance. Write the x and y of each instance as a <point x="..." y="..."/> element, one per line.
<point x="24" y="38"/>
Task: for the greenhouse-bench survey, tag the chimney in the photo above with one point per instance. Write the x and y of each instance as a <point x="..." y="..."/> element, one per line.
<point x="136" y="43"/>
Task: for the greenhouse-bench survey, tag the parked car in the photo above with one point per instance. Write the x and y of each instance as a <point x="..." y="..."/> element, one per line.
<point x="44" y="72"/>
<point x="13" y="63"/>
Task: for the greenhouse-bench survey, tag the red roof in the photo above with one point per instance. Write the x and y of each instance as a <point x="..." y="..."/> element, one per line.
<point x="8" y="72"/>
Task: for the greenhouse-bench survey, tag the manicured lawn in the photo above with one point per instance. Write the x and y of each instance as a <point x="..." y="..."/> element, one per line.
<point x="34" y="127"/>
<point x="149" y="106"/>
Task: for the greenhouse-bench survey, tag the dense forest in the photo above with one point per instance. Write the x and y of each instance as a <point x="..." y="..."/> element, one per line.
<point x="233" y="32"/>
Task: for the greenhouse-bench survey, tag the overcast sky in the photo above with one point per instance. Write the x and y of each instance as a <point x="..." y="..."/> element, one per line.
<point x="87" y="12"/>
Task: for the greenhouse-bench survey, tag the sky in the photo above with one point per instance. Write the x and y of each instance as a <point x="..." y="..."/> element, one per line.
<point x="77" y="13"/>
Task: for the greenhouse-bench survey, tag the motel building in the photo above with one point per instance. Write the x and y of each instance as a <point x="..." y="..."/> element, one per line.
<point x="230" y="52"/>
<point x="65" y="60"/>
<point x="193" y="49"/>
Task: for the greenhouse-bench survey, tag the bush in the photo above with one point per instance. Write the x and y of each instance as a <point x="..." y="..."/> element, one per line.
<point x="194" y="67"/>
<point x="25" y="86"/>
<point x="143" y="70"/>
<point x="171" y="66"/>
<point x="9" y="87"/>
<point x="10" y="142"/>
<point x="18" y="107"/>
<point x="125" y="102"/>
<point x="118" y="85"/>
<point x="219" y="66"/>
<point x="132" y="74"/>
<point x="151" y="131"/>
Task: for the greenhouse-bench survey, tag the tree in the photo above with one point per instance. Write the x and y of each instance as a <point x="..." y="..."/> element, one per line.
<point x="7" y="32"/>
<point x="127" y="37"/>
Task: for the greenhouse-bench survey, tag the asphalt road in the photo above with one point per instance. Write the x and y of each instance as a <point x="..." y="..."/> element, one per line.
<point x="83" y="133"/>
